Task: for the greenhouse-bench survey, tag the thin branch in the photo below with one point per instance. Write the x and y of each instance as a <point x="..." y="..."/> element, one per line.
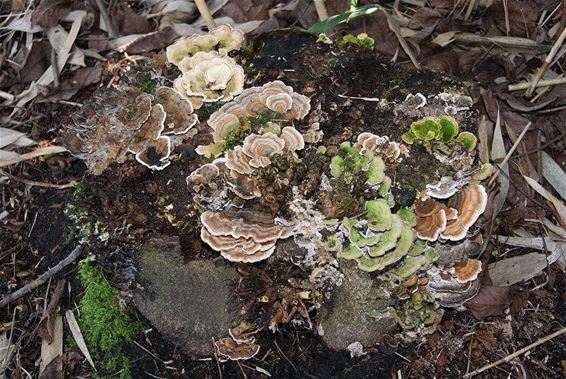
<point x="41" y="279"/>
<point x="546" y="64"/>
<point x="321" y="10"/>
<point x="516" y="354"/>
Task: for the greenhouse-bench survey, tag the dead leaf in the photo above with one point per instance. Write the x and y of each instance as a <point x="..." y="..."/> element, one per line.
<point x="10" y="157"/>
<point x="13" y="137"/>
<point x="556" y="248"/>
<point x="127" y="21"/>
<point x="46" y="327"/>
<point x="6" y="351"/>
<point x="48" y="12"/>
<point x="36" y="62"/>
<point x="558" y="205"/>
<point x="50" y="351"/>
<point x="513" y="270"/>
<point x="497" y="154"/>
<point x="81" y="78"/>
<point x="78" y="336"/>
<point x="492" y="301"/>
<point x="554" y="174"/>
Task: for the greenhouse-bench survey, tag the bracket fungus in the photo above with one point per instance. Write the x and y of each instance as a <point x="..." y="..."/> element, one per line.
<point x="467" y="271"/>
<point x="120" y="121"/>
<point x="242" y="236"/>
<point x="258" y="111"/>
<point x="209" y="77"/>
<point x="222" y="39"/>
<point x="470" y="202"/>
<point x="450" y="221"/>
<point x="228" y="349"/>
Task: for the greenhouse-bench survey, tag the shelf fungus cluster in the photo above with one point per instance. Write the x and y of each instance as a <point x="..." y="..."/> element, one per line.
<point x="401" y="207"/>
<point x="242" y="236"/>
<point x="381" y="240"/>
<point x="117" y="122"/>
<point x="208" y="74"/>
<point x="260" y="119"/>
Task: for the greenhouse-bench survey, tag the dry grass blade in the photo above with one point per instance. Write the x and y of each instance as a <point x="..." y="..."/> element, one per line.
<point x="509" y="43"/>
<point x="558" y="205"/>
<point x="540" y="83"/>
<point x="78" y="336"/>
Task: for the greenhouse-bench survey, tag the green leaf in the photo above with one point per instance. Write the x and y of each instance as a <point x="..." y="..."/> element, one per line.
<point x="329" y="23"/>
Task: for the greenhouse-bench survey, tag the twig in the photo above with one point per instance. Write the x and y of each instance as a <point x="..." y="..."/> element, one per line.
<point x="547" y="61"/>
<point x="540" y="83"/>
<point x="511" y="151"/>
<point x="516" y="354"/>
<point x="72" y="183"/>
<point x="107" y="21"/>
<point x="54" y="68"/>
<point x="284" y="356"/>
<point x="205" y="13"/>
<point x="216" y="357"/>
<point x="321" y="10"/>
<point x="41" y="279"/>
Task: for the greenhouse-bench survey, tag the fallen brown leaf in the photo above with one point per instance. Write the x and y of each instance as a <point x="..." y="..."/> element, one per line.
<point x="81" y="78"/>
<point x="493" y="301"/>
<point x="48" y="13"/>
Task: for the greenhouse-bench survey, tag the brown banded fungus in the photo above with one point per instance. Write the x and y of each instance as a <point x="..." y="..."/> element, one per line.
<point x="242" y="236"/>
<point x="380" y="146"/>
<point x="467" y="271"/>
<point x="259" y="111"/>
<point x="470" y="202"/>
<point x="228" y="349"/>
<point x="127" y="120"/>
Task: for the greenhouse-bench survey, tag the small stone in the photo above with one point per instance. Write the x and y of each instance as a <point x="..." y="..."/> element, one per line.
<point x="349" y="317"/>
<point x="186" y="302"/>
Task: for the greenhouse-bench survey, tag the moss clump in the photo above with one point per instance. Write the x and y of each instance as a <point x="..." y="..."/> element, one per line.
<point x="104" y="326"/>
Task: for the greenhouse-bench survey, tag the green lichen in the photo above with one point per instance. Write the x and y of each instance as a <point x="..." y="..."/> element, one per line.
<point x="441" y="130"/>
<point x="468" y="140"/>
<point x="102" y="323"/>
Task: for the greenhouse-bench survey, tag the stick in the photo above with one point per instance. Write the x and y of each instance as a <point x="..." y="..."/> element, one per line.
<point x="321" y="9"/>
<point x="515" y="354"/>
<point x="205" y="13"/>
<point x="511" y="151"/>
<point x="540" y="83"/>
<point x="547" y="61"/>
<point x="41" y="279"/>
<point x="104" y="14"/>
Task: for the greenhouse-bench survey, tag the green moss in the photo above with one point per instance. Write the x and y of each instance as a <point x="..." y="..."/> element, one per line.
<point x="102" y="323"/>
<point x="150" y="86"/>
